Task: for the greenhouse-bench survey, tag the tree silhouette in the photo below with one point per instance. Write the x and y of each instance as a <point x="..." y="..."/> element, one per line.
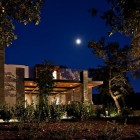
<point x="117" y="64"/>
<point x="45" y="83"/>
<point x="124" y="16"/>
<point x="23" y="11"/>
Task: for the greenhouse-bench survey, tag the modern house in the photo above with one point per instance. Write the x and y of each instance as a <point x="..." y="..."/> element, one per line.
<point x="70" y="85"/>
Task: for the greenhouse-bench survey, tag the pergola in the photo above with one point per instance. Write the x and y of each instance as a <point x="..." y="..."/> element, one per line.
<point x="59" y="85"/>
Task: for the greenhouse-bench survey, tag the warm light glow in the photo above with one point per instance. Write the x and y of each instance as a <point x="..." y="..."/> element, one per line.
<point x="31" y="83"/>
<point x="55" y="75"/>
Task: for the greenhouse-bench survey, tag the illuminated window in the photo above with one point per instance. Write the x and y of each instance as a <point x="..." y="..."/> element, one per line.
<point x="55" y="75"/>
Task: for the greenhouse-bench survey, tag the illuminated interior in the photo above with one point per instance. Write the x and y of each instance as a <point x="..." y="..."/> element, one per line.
<point x="55" y="75"/>
<point x="69" y="86"/>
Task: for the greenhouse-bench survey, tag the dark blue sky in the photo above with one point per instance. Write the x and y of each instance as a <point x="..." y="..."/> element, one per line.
<point x="62" y="21"/>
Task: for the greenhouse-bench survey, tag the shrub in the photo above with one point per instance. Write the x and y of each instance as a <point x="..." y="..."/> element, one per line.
<point x="98" y="112"/>
<point x="5" y="112"/>
<point x="125" y="111"/>
<point x="80" y="110"/>
<point x="57" y="111"/>
<point x="25" y="114"/>
<point x="49" y="112"/>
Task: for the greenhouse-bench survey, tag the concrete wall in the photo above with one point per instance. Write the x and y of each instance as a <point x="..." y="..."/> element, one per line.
<point x="136" y="112"/>
<point x="14" y="83"/>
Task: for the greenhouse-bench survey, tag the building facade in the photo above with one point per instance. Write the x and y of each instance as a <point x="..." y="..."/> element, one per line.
<point x="14" y="83"/>
<point x="70" y="85"/>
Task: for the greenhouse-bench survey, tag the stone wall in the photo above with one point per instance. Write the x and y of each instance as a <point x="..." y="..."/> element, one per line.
<point x="77" y="94"/>
<point x="69" y="97"/>
<point x="85" y="91"/>
<point x="84" y="88"/>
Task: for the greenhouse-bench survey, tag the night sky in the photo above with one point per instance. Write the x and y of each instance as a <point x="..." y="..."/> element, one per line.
<point x="62" y="22"/>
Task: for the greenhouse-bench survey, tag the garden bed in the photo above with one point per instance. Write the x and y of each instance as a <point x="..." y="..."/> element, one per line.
<point x="102" y="129"/>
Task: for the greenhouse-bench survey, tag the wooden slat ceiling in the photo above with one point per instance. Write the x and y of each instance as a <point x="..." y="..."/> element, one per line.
<point x="59" y="86"/>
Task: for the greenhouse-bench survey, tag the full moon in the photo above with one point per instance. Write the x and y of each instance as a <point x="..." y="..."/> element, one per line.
<point x="78" y="41"/>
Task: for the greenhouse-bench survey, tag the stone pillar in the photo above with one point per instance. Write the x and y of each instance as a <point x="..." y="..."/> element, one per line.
<point x="77" y="94"/>
<point x="20" y="85"/>
<point x="84" y="88"/>
<point x="2" y="97"/>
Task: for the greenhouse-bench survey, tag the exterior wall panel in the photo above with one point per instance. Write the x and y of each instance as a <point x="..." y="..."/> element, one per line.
<point x="14" y="82"/>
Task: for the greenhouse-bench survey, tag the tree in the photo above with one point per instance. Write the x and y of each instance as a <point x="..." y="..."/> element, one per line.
<point x="44" y="79"/>
<point x="45" y="83"/>
<point x="119" y="90"/>
<point x="117" y="64"/>
<point x="101" y="74"/>
<point x="124" y="16"/>
<point x="23" y="11"/>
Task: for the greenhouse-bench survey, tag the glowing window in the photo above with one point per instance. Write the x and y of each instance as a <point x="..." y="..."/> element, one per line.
<point x="55" y="75"/>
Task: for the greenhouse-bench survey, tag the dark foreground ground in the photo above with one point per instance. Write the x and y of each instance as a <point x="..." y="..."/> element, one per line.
<point x="95" y="129"/>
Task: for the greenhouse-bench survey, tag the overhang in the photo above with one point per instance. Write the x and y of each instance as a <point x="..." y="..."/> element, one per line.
<point x="59" y="85"/>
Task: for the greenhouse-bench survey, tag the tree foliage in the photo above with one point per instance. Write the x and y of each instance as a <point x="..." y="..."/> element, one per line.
<point x="124" y="16"/>
<point x="45" y="83"/>
<point x="24" y="11"/>
<point x="117" y="64"/>
<point x="45" y="80"/>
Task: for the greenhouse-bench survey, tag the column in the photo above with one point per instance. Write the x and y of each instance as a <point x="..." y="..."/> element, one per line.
<point x="20" y="85"/>
<point x="84" y="88"/>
